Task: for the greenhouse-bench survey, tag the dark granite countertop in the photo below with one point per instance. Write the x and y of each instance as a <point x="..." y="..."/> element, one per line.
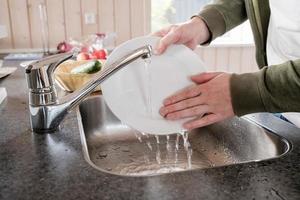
<point x="52" y="166"/>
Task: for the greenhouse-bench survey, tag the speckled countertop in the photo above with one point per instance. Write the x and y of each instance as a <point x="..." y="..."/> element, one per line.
<point x="53" y="167"/>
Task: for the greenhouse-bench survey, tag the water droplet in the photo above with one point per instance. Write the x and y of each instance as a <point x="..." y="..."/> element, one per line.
<point x="168" y="146"/>
<point x="185" y="137"/>
<point x="149" y="145"/>
<point x="145" y="134"/>
<point x="158" y="158"/>
<point x="176" y="157"/>
<point x="157" y="139"/>
<point x="189" y="157"/>
<point x="138" y="136"/>
<point x="187" y="148"/>
<point x="177" y="142"/>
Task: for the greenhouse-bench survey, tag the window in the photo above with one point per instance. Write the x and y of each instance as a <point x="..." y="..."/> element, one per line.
<point x="168" y="12"/>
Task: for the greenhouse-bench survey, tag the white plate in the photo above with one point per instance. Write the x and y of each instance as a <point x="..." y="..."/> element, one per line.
<point x="126" y="91"/>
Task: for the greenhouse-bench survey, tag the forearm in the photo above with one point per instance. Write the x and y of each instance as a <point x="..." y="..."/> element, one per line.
<point x="272" y="89"/>
<point x="223" y="15"/>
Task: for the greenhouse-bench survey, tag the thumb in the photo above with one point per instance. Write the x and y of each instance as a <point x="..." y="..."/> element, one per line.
<point x="204" y="77"/>
<point x="170" y="38"/>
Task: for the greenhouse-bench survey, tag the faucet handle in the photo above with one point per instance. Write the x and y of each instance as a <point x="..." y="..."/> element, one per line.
<point x="39" y="73"/>
<point x="39" y="77"/>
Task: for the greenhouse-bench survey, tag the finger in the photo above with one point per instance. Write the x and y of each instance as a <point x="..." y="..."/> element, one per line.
<point x="190" y="112"/>
<point x="188" y="103"/>
<point x="202" y="121"/>
<point x="162" y="32"/>
<point x="187" y="93"/>
<point x="170" y="38"/>
<point x="158" y="34"/>
<point x="204" y="77"/>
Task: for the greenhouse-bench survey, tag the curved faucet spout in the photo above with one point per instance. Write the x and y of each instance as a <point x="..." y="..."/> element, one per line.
<point x="76" y="97"/>
<point x="47" y="116"/>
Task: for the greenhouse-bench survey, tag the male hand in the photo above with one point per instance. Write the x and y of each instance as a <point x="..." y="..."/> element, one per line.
<point x="190" y="33"/>
<point x="209" y="101"/>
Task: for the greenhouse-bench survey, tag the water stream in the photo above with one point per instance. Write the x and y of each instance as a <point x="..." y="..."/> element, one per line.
<point x="169" y="157"/>
<point x="154" y="154"/>
<point x="148" y="87"/>
<point x="184" y="135"/>
<point x="188" y="148"/>
<point x="161" y="153"/>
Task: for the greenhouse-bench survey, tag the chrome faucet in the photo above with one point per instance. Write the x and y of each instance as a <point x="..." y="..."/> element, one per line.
<point x="46" y="109"/>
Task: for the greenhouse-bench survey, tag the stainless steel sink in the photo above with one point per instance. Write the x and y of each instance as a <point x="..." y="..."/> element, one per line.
<point x="114" y="147"/>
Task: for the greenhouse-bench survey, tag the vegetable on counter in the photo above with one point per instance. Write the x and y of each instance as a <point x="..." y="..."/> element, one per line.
<point x="83" y="56"/>
<point x="63" y="47"/>
<point x="89" y="68"/>
<point x="97" y="54"/>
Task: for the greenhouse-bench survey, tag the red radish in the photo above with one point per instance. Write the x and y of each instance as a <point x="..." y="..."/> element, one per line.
<point x="93" y="57"/>
<point x="100" y="54"/>
<point x="84" y="49"/>
<point x="64" y="47"/>
<point x="83" y="56"/>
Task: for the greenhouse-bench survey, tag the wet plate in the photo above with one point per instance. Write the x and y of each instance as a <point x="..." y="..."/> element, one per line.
<point x="136" y="92"/>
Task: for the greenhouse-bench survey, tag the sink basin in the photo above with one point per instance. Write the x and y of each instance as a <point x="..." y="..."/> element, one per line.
<point x="113" y="147"/>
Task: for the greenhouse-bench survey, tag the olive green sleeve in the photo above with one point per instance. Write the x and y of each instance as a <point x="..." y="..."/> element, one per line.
<point x="223" y="15"/>
<point x="272" y="89"/>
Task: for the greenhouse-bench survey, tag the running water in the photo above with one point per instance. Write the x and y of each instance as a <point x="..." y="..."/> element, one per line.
<point x="176" y="149"/>
<point x="189" y="157"/>
<point x="165" y="154"/>
<point x="177" y="142"/>
<point x="168" y="146"/>
<point x="145" y="134"/>
<point x="158" y="157"/>
<point x="168" y="149"/>
<point x="148" y="87"/>
<point x="157" y="139"/>
<point x="138" y="136"/>
<point x="149" y="145"/>
<point x="188" y="148"/>
<point x="186" y="143"/>
<point x="147" y="140"/>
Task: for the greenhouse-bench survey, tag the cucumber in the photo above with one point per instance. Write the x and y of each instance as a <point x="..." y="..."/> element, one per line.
<point x="88" y="68"/>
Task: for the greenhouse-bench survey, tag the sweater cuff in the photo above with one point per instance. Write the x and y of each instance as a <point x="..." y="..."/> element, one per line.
<point x="214" y="21"/>
<point x="245" y="93"/>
